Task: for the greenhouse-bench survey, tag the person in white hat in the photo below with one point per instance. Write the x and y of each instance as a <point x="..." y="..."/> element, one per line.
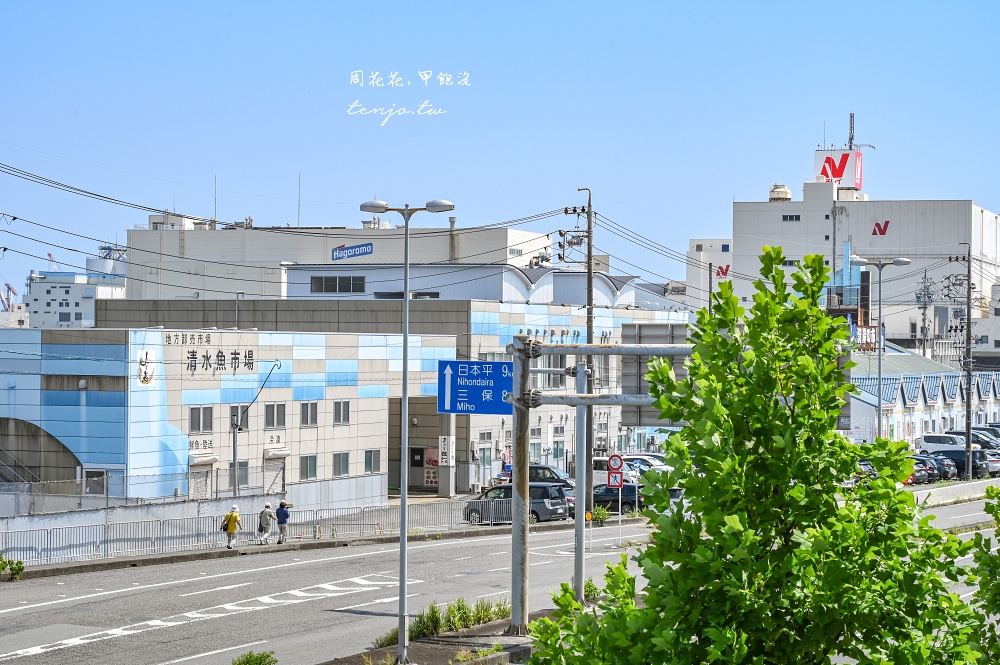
<point x="231" y="524"/>
<point x="267" y="518"/>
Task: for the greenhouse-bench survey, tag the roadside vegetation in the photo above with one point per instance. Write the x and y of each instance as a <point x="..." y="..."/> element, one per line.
<point x="13" y="567"/>
<point x="456" y="615"/>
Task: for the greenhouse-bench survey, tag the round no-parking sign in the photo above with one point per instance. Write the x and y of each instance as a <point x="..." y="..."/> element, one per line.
<point x="615" y="462"/>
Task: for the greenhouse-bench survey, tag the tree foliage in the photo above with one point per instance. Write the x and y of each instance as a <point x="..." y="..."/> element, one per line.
<point x="771" y="561"/>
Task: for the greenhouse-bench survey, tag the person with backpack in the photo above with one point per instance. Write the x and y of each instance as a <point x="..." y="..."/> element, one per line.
<point x="267" y="518"/>
<point x="282" y="516"/>
<point x="231" y="524"/>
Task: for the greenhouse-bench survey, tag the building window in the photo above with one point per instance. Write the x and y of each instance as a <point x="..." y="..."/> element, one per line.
<point x="791" y="218"/>
<point x="697" y="248"/>
<point x="485" y="436"/>
<point x="337" y="284"/>
<point x="274" y="415"/>
<point x="340" y="464"/>
<point x="496" y="357"/>
<point x="486" y="456"/>
<point x="78" y="316"/>
<point x="241" y="412"/>
<point x="548" y="381"/>
<point x="558" y="431"/>
<point x="535" y="432"/>
<point x="515" y="252"/>
<point x="558" y="449"/>
<point x="341" y="412"/>
<point x="373" y="461"/>
<point x="243" y="472"/>
<point x="535" y="452"/>
<point x="790" y="262"/>
<point x="602" y="371"/>
<point x="725" y="247"/>
<point x="308" y="415"/>
<point x="996" y="344"/>
<point x="200" y="420"/>
<point x="307" y="467"/>
<point x="64" y="317"/>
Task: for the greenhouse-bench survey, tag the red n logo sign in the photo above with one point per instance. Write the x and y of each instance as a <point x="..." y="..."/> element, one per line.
<point x="880" y="229"/>
<point x="832" y="170"/>
<point x="722" y="271"/>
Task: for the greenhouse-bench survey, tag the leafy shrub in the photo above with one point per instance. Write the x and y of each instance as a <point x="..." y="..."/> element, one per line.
<point x="600" y="515"/>
<point x="251" y="658"/>
<point x="590" y="590"/>
<point x="15" y="567"/>
<point x="458" y="615"/>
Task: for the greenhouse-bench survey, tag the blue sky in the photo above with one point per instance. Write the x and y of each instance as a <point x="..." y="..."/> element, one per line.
<point x="668" y="111"/>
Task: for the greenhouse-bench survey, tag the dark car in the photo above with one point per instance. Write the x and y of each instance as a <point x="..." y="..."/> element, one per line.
<point x="543" y="473"/>
<point x="946" y="469"/>
<point x="919" y="475"/>
<point x="931" y="468"/>
<point x="548" y="502"/>
<point x="983" y="439"/>
<point x="608" y="497"/>
<point x="570" y="500"/>
<point x="980" y="467"/>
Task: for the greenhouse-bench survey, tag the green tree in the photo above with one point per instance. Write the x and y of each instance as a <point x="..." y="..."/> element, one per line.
<point x="772" y="561"/>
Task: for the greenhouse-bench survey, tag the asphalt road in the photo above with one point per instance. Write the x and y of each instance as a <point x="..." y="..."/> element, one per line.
<point x="308" y="607"/>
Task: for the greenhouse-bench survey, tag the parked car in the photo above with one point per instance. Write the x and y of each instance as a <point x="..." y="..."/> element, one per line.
<point x="543" y="473"/>
<point x="982" y="439"/>
<point x="946" y="469"/>
<point x="993" y="431"/>
<point x="608" y="497"/>
<point x="993" y="462"/>
<point x="930" y="443"/>
<point x="866" y="469"/>
<point x="930" y="468"/>
<point x="570" y="493"/>
<point x="919" y="475"/>
<point x="548" y="502"/>
<point x="643" y="463"/>
<point x="980" y="468"/>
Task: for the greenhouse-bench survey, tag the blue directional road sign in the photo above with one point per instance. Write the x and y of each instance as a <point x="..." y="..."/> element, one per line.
<point x="471" y="386"/>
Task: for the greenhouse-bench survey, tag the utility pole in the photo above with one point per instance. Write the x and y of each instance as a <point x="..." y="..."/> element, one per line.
<point x="575" y="239"/>
<point x="710" y="287"/>
<point x="589" y="459"/>
<point x="967" y="355"/>
<point x="924" y="298"/>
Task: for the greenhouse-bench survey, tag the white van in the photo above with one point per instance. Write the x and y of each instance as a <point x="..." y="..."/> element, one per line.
<point x="601" y="472"/>
<point x="931" y="443"/>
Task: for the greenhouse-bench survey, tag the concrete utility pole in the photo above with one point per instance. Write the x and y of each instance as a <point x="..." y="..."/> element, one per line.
<point x="711" y="285"/>
<point x="924" y="298"/>
<point x="519" y="501"/>
<point x="969" y="387"/>
<point x="589" y="457"/>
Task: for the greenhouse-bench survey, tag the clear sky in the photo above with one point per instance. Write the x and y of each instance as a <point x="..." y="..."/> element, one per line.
<point x="668" y="111"/>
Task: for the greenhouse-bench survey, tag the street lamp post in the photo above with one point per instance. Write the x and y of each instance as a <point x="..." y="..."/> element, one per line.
<point x="880" y="264"/>
<point x="379" y="207"/>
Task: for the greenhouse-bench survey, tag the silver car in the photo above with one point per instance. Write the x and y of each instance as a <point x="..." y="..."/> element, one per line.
<point x="993" y="463"/>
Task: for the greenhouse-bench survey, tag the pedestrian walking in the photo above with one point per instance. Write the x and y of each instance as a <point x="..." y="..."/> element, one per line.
<point x="282" y="518"/>
<point x="267" y="518"/>
<point x="231" y="524"/>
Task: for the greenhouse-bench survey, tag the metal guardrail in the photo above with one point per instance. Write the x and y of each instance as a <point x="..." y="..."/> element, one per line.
<point x="96" y="541"/>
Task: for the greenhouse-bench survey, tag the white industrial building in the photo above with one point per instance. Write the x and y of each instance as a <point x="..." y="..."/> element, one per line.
<point x="58" y="299"/>
<point x="836" y="219"/>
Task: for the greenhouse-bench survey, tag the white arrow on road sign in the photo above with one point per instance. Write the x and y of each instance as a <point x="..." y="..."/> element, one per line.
<point x="447" y="387"/>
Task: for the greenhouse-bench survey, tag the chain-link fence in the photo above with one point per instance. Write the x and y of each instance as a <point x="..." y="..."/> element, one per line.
<point x="96" y="541"/>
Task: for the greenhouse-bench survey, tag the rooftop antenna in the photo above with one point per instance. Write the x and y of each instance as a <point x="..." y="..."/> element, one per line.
<point x="298" y="217"/>
<point x="850" y="137"/>
<point x="215" y="195"/>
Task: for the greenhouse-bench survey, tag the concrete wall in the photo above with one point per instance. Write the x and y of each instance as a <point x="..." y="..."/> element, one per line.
<point x="354" y="491"/>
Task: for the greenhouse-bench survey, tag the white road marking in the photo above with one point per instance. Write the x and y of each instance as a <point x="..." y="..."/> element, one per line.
<point x="212" y="653"/>
<point x="376" y="602"/>
<point x="463" y="558"/>
<point x="221" y="588"/>
<point x="496" y="570"/>
<point x="495" y="593"/>
<point x="242" y="572"/>
<point x="281" y="598"/>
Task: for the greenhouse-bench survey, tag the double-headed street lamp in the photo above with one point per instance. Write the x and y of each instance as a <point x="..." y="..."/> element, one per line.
<point x="379" y="207"/>
<point x="879" y="263"/>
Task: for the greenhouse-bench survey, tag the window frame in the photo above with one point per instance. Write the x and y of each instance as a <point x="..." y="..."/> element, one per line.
<point x="243" y="412"/>
<point x="201" y="419"/>
<point x="373" y="461"/>
<point x="341" y="412"/>
<point x="341" y="464"/>
<point x="271" y="412"/>
<point x="308" y="414"/>
<point x="307" y="467"/>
